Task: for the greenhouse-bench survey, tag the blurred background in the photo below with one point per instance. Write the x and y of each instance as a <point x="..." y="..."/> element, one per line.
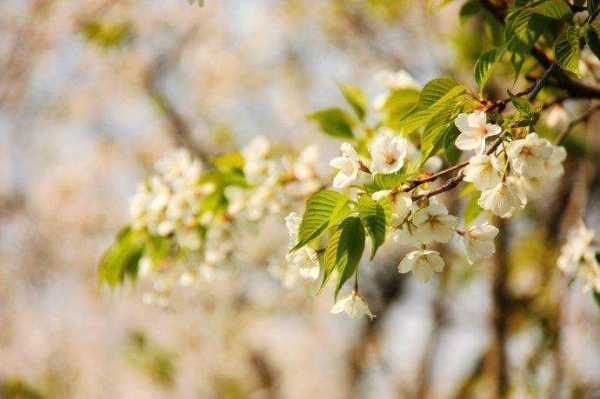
<point x="93" y="92"/>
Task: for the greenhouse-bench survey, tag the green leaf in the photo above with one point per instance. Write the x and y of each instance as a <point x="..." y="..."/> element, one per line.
<point x="592" y="38"/>
<point x="439" y="126"/>
<point x="434" y="97"/>
<point x="344" y="251"/>
<point x="389" y="181"/>
<point x="397" y="105"/>
<point x="596" y="296"/>
<point x="452" y="153"/>
<point x="555" y="9"/>
<point x="485" y="66"/>
<point x="230" y="161"/>
<point x="107" y="33"/>
<point x="523" y="29"/>
<point x="469" y="9"/>
<point x="521" y="104"/>
<point x="323" y="210"/>
<point x="472" y="208"/>
<point x="157" y="248"/>
<point x="566" y="50"/>
<point x="356" y="98"/>
<point x="122" y="258"/>
<point x="375" y="216"/>
<point x="334" y="122"/>
<point x="593" y="6"/>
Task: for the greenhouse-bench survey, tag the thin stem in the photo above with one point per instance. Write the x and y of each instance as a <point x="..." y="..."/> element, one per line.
<point x="582" y="119"/>
<point x="455" y="181"/>
<point x="539" y="84"/>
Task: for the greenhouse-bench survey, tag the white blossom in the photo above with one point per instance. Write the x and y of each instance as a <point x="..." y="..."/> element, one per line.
<point x="483" y="171"/>
<point x="579" y="240"/>
<point x="433" y="223"/>
<point x="307" y="261"/>
<point x="396" y="80"/>
<point x="423" y="263"/>
<point x="305" y="258"/>
<point x="353" y="305"/>
<point x="304" y="166"/>
<point x="558" y="118"/>
<point x="578" y="257"/>
<point x="433" y="164"/>
<point x="348" y="165"/>
<point x="479" y="241"/>
<point x="474" y="129"/>
<point x="388" y="152"/>
<point x="379" y="195"/>
<point x="401" y="208"/>
<point x="528" y="156"/>
<point x="292" y="223"/>
<point x="258" y="166"/>
<point x="168" y="202"/>
<point x="504" y="199"/>
<point x="553" y="167"/>
<point x="265" y="199"/>
<point x="404" y="236"/>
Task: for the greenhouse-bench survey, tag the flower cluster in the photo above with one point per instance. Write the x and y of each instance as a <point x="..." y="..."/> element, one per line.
<point x="274" y="182"/>
<point x="168" y="203"/>
<point x="198" y="212"/>
<point x="512" y="170"/>
<point x="578" y="257"/>
<point x="506" y="166"/>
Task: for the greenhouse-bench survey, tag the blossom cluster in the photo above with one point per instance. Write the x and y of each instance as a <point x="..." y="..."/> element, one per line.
<point x="514" y="170"/>
<point x="505" y="165"/>
<point x="200" y="213"/>
<point x="578" y="257"/>
<point x="168" y="203"/>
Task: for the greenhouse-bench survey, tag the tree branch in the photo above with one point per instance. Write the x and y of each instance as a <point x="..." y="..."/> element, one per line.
<point x="576" y="89"/>
<point x="178" y="127"/>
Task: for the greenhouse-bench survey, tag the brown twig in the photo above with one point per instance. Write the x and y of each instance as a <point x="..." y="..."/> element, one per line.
<point x="178" y="127"/>
<point x="455" y="181"/>
<point x="576" y="89"/>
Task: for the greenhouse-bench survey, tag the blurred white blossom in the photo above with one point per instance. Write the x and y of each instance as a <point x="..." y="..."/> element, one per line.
<point x="353" y="305"/>
<point x="479" y="241"/>
<point x="423" y="263"/>
<point x="348" y="166"/>
<point x="505" y="198"/>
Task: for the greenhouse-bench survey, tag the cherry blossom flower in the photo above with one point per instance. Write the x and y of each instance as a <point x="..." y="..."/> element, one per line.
<point x="304" y="258"/>
<point x="505" y="198"/>
<point x="558" y="118"/>
<point x="423" y="263"/>
<point x="474" y="130"/>
<point x="396" y="80"/>
<point x="483" y="171"/>
<point x="528" y="156"/>
<point x="404" y="236"/>
<point x="578" y="257"/>
<point x="388" y="152"/>
<point x="479" y="241"/>
<point x="353" y="305"/>
<point x="433" y="224"/>
<point x="348" y="165"/>
<point x="553" y="167"/>
<point x="579" y="240"/>
<point x="402" y="207"/>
